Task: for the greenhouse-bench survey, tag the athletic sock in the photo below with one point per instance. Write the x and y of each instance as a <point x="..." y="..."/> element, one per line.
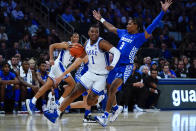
<point x="87" y="112"/>
<point x="61" y="100"/>
<point x="106" y="114"/>
<point x="34" y="100"/>
<point x="114" y="108"/>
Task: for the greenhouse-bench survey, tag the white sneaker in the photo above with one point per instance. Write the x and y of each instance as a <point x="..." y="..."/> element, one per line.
<point x="102" y="120"/>
<point x="115" y="114"/>
<point x="51" y="104"/>
<point x="125" y="109"/>
<point x="137" y="109"/>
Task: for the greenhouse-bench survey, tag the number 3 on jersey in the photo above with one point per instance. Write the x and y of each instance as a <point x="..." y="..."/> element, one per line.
<point x="93" y="60"/>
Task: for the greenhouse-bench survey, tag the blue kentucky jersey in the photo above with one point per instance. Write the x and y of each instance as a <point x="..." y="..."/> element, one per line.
<point x="10" y="76"/>
<point x="129" y="45"/>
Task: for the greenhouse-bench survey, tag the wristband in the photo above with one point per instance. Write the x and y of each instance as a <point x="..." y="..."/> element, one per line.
<point x="102" y="20"/>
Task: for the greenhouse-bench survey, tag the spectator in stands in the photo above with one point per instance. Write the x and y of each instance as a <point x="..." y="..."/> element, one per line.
<point x="4" y="50"/>
<point x="132" y="89"/>
<point x="7" y="78"/>
<point x="1" y="61"/>
<point x="161" y="64"/>
<point x="32" y="64"/>
<point x="15" y="49"/>
<point x="17" y="13"/>
<point x="154" y="93"/>
<point x="192" y="69"/>
<point x="18" y="56"/>
<point x="186" y="62"/>
<point x="67" y="15"/>
<point x="28" y="83"/>
<point x="154" y="65"/>
<point x="25" y="42"/>
<point x="167" y="72"/>
<point x="14" y="64"/>
<point x="55" y="36"/>
<point x="31" y="28"/>
<point x="147" y="62"/>
<point x="181" y="71"/>
<point x="165" y="52"/>
<point x="3" y="34"/>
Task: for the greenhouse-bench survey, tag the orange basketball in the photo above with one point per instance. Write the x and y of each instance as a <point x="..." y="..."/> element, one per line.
<point x="76" y="50"/>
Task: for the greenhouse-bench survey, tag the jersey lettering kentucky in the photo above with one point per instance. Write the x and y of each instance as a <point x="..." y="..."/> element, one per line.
<point x="129" y="45"/>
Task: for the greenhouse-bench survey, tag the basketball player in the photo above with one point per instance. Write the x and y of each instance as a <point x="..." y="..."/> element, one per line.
<point x="57" y="69"/>
<point x="131" y="40"/>
<point x="96" y="51"/>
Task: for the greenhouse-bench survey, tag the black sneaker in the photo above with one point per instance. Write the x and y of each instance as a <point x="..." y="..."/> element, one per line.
<point x="89" y="119"/>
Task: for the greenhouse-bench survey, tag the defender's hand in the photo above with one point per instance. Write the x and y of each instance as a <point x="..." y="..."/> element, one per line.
<point x="109" y="68"/>
<point x="166" y="5"/>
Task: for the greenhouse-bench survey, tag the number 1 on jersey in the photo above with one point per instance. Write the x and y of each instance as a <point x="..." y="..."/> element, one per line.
<point x="93" y="60"/>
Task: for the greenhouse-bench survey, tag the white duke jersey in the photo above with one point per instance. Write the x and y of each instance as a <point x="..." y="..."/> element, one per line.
<point x="98" y="60"/>
<point x="65" y="57"/>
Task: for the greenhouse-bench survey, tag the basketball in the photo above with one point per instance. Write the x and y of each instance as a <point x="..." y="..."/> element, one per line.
<point x="76" y="50"/>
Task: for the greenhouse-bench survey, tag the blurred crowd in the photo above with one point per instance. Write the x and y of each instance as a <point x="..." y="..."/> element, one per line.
<point x="24" y="42"/>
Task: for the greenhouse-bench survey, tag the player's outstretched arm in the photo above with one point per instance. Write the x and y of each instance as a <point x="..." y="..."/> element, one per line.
<point x="62" y="45"/>
<point x="109" y="26"/>
<point x="72" y="67"/>
<point x="156" y="21"/>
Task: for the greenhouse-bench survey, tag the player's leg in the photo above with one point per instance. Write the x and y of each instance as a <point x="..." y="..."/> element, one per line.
<point x="2" y="95"/>
<point x="76" y="92"/>
<point x="103" y="120"/>
<point x="67" y="88"/>
<point x="30" y="103"/>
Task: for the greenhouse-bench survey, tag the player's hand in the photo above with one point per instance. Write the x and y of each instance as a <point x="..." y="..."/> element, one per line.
<point x="97" y="15"/>
<point x="51" y="61"/>
<point x="166" y="5"/>
<point x="109" y="68"/>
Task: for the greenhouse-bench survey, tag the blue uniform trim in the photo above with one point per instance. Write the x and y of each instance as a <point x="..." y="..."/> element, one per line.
<point x="82" y="84"/>
<point x="98" y="92"/>
<point x="62" y="54"/>
<point x="98" y="45"/>
<point x="85" y="93"/>
<point x="61" y="67"/>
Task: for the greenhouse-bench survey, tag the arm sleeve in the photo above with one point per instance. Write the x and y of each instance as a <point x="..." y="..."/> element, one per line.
<point x="116" y="54"/>
<point x="155" y="22"/>
<point x="121" y="32"/>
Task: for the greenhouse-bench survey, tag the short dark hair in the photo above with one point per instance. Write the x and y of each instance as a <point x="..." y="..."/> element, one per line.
<point x="94" y="26"/>
<point x="41" y="62"/>
<point x="153" y="70"/>
<point x="138" y="22"/>
<point x="5" y="63"/>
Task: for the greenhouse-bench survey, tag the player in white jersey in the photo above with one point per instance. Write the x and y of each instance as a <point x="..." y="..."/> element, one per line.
<point x="58" y="67"/>
<point x="96" y="50"/>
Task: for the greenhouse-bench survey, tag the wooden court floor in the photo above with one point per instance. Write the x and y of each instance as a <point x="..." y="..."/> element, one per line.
<point x="147" y="121"/>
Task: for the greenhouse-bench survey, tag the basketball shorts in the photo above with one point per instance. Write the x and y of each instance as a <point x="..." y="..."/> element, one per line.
<point x="121" y="71"/>
<point x="94" y="82"/>
<point x="57" y="70"/>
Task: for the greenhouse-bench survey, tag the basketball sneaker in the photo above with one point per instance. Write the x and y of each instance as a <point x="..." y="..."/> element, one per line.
<point x="102" y="120"/>
<point x="116" y="113"/>
<point x="136" y="108"/>
<point x="89" y="119"/>
<point x="30" y="106"/>
<point x="51" y="116"/>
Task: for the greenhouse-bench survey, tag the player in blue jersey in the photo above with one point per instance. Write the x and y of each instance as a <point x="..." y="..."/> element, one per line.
<point x="7" y="81"/>
<point x="131" y="39"/>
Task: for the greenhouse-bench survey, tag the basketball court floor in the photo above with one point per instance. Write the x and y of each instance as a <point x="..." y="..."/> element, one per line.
<point x="141" y="121"/>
